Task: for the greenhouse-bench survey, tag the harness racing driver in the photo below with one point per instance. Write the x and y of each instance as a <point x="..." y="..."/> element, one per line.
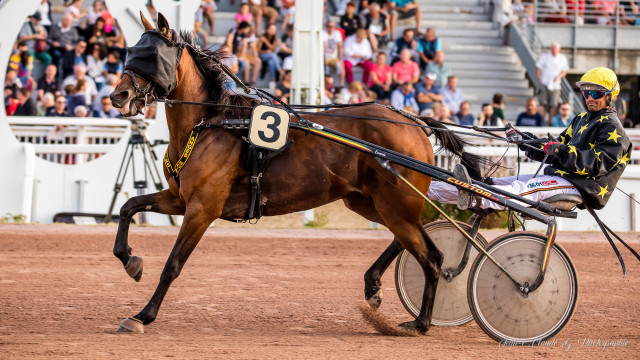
<point x="588" y="159"/>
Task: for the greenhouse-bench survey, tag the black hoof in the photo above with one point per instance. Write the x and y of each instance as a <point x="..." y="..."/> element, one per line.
<point x="134" y="267"/>
<point x="375" y="300"/>
<point x="414" y="326"/>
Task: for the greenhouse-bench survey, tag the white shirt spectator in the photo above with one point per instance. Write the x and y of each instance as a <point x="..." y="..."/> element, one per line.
<point x="43" y="9"/>
<point x="353" y="47"/>
<point x="89" y="93"/>
<point x="331" y="42"/>
<point x="551" y="66"/>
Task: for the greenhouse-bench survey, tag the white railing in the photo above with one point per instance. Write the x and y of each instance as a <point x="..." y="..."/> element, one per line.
<point x="69" y="140"/>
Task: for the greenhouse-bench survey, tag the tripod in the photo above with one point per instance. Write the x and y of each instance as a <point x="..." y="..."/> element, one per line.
<point x="138" y="142"/>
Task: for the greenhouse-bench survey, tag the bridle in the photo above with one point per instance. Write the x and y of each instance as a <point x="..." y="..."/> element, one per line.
<point x="147" y="94"/>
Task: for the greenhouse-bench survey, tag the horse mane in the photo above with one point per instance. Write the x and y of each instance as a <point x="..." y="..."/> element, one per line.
<point x="208" y="62"/>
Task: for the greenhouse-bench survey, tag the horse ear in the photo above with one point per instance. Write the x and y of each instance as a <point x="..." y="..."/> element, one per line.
<point x="163" y="26"/>
<point x="145" y="23"/>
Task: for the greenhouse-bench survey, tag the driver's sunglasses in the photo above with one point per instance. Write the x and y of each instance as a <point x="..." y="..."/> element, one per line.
<point x="595" y="94"/>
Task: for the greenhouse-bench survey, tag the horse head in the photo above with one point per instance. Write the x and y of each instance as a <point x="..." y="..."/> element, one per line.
<point x="150" y="69"/>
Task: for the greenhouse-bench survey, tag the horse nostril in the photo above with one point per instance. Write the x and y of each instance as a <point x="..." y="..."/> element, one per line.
<point x="117" y="97"/>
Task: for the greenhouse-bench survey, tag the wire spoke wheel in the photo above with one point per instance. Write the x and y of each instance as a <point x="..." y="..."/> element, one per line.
<point x="450" y="305"/>
<point x="501" y="310"/>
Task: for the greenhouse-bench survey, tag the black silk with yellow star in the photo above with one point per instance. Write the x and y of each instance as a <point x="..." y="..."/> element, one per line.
<point x="593" y="156"/>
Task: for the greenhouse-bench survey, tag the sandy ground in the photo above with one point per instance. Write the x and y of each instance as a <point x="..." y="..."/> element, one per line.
<point x="265" y="293"/>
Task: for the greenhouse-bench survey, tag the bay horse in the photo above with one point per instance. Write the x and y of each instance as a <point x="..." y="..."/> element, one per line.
<point x="312" y="172"/>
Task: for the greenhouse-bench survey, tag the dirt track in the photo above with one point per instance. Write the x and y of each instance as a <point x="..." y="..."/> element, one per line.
<point x="251" y="293"/>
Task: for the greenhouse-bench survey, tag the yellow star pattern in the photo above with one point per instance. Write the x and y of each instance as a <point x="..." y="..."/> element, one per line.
<point x="623" y="160"/>
<point x="561" y="139"/>
<point x="582" y="172"/>
<point x="592" y="145"/>
<point x="603" y="118"/>
<point x="614" y="136"/>
<point x="569" y="131"/>
<point x="597" y="154"/>
<point x="582" y="128"/>
<point x="560" y="172"/>
<point x="591" y="178"/>
<point x="541" y="146"/>
<point x="603" y="191"/>
<point x="583" y="114"/>
<point x="572" y="149"/>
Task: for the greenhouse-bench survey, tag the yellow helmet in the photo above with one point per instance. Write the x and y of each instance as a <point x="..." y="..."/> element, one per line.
<point x="600" y="78"/>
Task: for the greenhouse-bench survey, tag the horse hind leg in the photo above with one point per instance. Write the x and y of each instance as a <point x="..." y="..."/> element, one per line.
<point x="162" y="202"/>
<point x="364" y="206"/>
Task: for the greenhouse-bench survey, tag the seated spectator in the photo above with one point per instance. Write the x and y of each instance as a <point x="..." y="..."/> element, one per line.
<point x="353" y="94"/>
<point x="405" y="70"/>
<point x="329" y="90"/>
<point x="79" y="72"/>
<point x="405" y="42"/>
<point x="44" y="10"/>
<point x="350" y="22"/>
<point x="563" y="117"/>
<point x="105" y="110"/>
<point x="27" y="107"/>
<point x="49" y="83"/>
<point x="258" y="9"/>
<point x="403" y="9"/>
<point x="72" y="58"/>
<point x="381" y="77"/>
<point x="75" y="95"/>
<point x="377" y="25"/>
<point x="435" y="110"/>
<point x="48" y="100"/>
<point x="531" y="117"/>
<point x="63" y="37"/>
<point x="428" y="45"/>
<point x="404" y="96"/>
<point x="629" y="13"/>
<point x="287" y="11"/>
<point x="74" y="10"/>
<point x="498" y="105"/>
<point x="451" y="94"/>
<point x="243" y="45"/>
<point x="286" y="43"/>
<point x="605" y="11"/>
<point x="267" y="46"/>
<point x="487" y="118"/>
<point x="80" y="111"/>
<point x="243" y="15"/>
<point x="59" y="109"/>
<point x="95" y="12"/>
<point x="106" y="90"/>
<point x="464" y="116"/>
<point x="206" y="9"/>
<point x="22" y="61"/>
<point x="35" y="36"/>
<point x="554" y="11"/>
<point x="438" y="67"/>
<point x="98" y="34"/>
<point x="113" y="64"/>
<point x="427" y="94"/>
<point x="96" y="61"/>
<point x="11" y="84"/>
<point x="332" y="43"/>
<point x="445" y="115"/>
<point x="571" y="11"/>
<point x="283" y="88"/>
<point x="357" y="51"/>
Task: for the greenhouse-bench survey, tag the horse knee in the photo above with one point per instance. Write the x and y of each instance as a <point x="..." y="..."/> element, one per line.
<point x="128" y="209"/>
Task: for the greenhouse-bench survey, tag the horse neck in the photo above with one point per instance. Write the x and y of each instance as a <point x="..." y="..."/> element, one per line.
<point x="182" y="118"/>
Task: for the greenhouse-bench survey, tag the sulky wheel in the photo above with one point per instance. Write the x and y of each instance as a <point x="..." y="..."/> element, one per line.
<point x="501" y="310"/>
<point x="450" y="306"/>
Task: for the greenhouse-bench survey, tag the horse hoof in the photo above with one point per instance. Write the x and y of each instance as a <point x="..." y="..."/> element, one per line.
<point x="131" y="325"/>
<point x="375" y="300"/>
<point x="413" y="326"/>
<point x="134" y="267"/>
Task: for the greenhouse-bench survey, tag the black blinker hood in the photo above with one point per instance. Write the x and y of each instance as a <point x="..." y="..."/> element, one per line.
<point x="155" y="59"/>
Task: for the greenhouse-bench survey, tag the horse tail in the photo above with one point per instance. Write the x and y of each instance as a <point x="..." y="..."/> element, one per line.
<point x="454" y="144"/>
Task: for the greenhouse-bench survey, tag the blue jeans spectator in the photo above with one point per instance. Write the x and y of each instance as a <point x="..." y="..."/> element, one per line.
<point x="273" y="64"/>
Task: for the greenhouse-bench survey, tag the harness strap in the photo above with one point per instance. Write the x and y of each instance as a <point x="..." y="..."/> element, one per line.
<point x="604" y="228"/>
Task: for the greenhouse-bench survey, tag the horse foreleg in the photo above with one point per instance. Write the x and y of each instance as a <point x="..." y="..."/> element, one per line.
<point x="161" y="202"/>
<point x="372" y="283"/>
<point x="195" y="223"/>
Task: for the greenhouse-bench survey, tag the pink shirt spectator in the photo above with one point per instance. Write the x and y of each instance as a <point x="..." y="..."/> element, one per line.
<point x="240" y="18"/>
<point x="381" y="72"/>
<point x="405" y="72"/>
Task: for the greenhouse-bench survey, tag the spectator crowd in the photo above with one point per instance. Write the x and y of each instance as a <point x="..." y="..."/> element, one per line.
<point x="82" y="56"/>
